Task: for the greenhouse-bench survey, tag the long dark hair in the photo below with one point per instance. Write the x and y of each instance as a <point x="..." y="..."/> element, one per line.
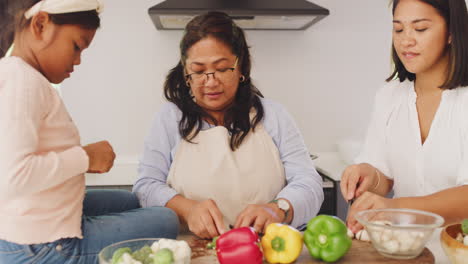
<point x="456" y="16"/>
<point x="236" y="119"/>
<point x="12" y="20"/>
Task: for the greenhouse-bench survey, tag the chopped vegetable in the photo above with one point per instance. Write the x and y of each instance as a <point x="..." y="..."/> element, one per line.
<point x="127" y="259"/>
<point x="464" y="226"/>
<point x="281" y="243"/>
<point x="163" y="256"/>
<point x="212" y="244"/>
<point x="350" y="233"/>
<point x="396" y="241"/>
<point x="363" y="235"/>
<point x="143" y="255"/>
<point x="118" y="254"/>
<point x="164" y="251"/>
<point x="180" y="249"/>
<point x="326" y="238"/>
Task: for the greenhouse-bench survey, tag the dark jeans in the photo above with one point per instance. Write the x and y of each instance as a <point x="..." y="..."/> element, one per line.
<point x="109" y="216"/>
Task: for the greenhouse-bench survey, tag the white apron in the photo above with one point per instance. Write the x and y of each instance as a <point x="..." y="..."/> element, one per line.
<point x="209" y="169"/>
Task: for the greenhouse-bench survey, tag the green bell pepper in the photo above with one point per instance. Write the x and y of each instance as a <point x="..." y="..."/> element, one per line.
<point x="326" y="238"/>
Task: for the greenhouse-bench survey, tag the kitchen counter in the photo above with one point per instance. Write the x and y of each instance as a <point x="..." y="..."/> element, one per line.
<point x="330" y="164"/>
<point x="360" y="252"/>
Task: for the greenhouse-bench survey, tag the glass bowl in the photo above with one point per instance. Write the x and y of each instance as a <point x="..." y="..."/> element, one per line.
<point x="399" y="233"/>
<point x="105" y="255"/>
<point x="457" y="252"/>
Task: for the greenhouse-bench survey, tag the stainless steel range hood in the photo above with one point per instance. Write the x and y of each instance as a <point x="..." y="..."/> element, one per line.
<point x="248" y="14"/>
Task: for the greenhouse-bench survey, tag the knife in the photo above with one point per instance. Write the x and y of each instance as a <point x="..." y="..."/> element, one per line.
<point x="350" y="202"/>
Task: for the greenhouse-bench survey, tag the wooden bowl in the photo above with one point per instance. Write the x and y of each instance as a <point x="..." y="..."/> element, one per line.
<point x="457" y="252"/>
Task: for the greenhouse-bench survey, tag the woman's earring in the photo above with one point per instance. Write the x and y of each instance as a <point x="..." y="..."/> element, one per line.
<point x="242" y="78"/>
<point x="191" y="95"/>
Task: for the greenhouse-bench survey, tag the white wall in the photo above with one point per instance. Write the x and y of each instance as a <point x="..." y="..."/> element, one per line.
<point x="326" y="76"/>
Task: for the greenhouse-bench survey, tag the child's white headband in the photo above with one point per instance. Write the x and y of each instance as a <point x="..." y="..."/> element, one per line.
<point x="64" y="6"/>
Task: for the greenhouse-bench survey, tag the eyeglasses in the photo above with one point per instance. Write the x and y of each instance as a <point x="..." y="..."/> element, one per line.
<point x="220" y="74"/>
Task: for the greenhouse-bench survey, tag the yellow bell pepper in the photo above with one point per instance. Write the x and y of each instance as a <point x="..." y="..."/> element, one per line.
<point x="281" y="243"/>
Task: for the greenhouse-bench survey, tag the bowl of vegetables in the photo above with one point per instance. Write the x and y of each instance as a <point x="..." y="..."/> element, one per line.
<point x="146" y="251"/>
<point x="454" y="241"/>
<point x="399" y="233"/>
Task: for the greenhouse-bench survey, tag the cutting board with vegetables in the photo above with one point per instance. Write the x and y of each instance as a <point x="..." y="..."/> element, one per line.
<point x="360" y="252"/>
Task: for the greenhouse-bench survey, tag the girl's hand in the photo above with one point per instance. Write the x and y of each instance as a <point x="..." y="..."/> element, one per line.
<point x="367" y="201"/>
<point x="357" y="179"/>
<point x="259" y="216"/>
<point x="205" y="219"/>
<point x="101" y="157"/>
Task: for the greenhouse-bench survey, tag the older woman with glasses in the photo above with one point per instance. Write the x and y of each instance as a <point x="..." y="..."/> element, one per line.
<point x="218" y="153"/>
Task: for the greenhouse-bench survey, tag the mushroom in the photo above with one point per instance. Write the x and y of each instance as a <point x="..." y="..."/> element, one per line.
<point x="362" y="235"/>
<point x="391" y="246"/>
<point x="350" y="233"/>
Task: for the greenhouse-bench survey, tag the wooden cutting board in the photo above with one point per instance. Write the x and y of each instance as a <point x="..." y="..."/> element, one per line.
<point x="360" y="252"/>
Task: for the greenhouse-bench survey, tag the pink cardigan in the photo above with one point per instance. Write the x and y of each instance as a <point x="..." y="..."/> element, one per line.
<point x="42" y="164"/>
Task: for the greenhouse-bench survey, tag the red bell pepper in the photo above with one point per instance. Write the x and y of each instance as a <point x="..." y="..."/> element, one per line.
<point x="240" y="245"/>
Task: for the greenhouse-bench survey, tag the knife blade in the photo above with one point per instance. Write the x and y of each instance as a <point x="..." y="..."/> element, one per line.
<point x="350" y="202"/>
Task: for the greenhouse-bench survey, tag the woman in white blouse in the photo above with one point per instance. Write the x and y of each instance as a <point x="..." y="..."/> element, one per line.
<point x="417" y="141"/>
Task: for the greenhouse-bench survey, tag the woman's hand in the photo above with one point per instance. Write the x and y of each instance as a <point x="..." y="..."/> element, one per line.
<point x="259" y="216"/>
<point x="367" y="201"/>
<point x="357" y="179"/>
<point x="205" y="219"/>
<point x="101" y="157"/>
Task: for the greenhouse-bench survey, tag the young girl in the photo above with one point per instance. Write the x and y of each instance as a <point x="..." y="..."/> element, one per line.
<point x="417" y="141"/>
<point x="45" y="215"/>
